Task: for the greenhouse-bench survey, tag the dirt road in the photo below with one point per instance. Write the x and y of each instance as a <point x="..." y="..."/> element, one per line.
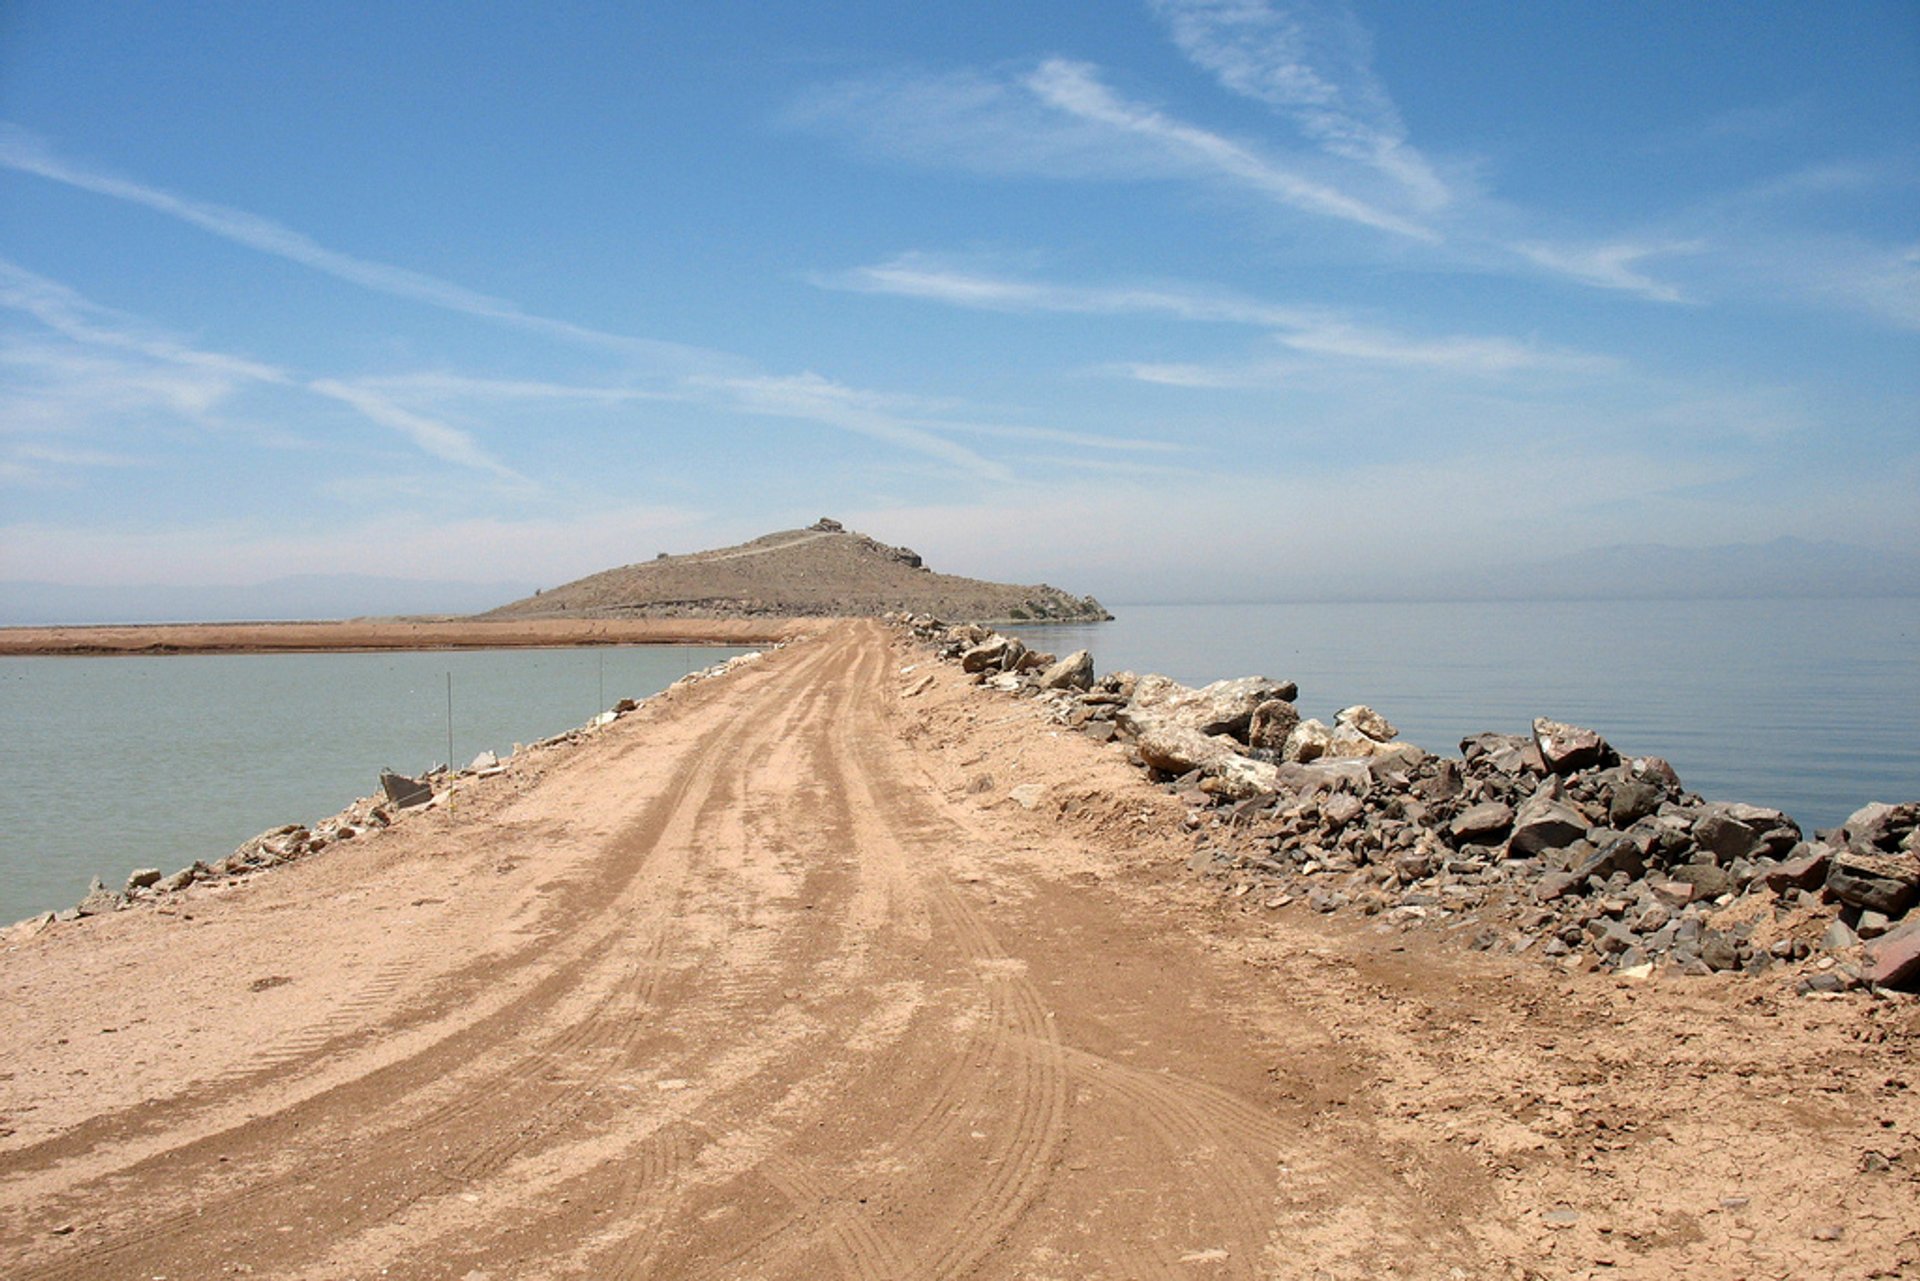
<point x="815" y="972"/>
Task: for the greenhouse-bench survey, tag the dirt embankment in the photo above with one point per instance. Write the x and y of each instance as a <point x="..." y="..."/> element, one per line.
<point x="392" y="634"/>
<point x="842" y="966"/>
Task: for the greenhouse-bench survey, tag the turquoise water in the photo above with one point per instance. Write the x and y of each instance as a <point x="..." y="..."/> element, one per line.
<point x="113" y="764"/>
<point x="1811" y="706"/>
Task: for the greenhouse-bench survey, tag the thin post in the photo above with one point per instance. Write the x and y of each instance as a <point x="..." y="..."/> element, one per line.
<point x="602" y="705"/>
<point x="449" y="720"/>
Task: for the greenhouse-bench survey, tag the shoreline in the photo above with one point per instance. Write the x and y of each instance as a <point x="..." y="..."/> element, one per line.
<point x="377" y="635"/>
<point x="857" y="899"/>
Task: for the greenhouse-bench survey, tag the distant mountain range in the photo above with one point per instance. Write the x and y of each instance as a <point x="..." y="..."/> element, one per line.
<point x="299" y="597"/>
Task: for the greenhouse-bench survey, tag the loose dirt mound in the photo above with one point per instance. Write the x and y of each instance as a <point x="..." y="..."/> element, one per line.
<point x="823" y="570"/>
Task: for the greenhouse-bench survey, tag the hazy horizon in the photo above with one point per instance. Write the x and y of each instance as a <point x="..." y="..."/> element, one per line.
<point x="1179" y="296"/>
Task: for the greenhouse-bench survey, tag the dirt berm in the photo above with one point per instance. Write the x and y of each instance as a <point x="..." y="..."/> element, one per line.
<point x="843" y="967"/>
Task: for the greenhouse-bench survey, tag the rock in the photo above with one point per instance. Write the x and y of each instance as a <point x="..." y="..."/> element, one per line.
<point x="1879" y="883"/>
<point x="1878" y="828"/>
<point x="1014" y="654"/>
<point x="1027" y="795"/>
<point x="1224" y="707"/>
<point x="1544" y="823"/>
<point x="1272" y="722"/>
<point x="1346" y="742"/>
<point x="1555" y="885"/>
<point x="1075" y="671"/>
<point x="1367" y="721"/>
<point x="1035" y="660"/>
<point x="405" y="792"/>
<point x="1725" y="837"/>
<point x="1307" y="742"/>
<point x="1621" y="854"/>
<point x="1413" y="865"/>
<point x="1239" y="777"/>
<point x="1803" y="871"/>
<point x="99" y="900"/>
<point x="987" y="653"/>
<point x="1567" y="748"/>
<point x="1485" y="823"/>
<point x="1708" y="879"/>
<point x="1632" y="801"/>
<point x="1339" y="810"/>
<point x="488" y="760"/>
<point x="179" y="880"/>
<point x="1893" y="959"/>
<point x="1174" y="748"/>
<point x="1656" y="770"/>
<point x="1719" y="951"/>
<point x="141" y="879"/>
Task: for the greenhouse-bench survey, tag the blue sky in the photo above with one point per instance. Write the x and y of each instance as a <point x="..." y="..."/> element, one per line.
<point x="1185" y="299"/>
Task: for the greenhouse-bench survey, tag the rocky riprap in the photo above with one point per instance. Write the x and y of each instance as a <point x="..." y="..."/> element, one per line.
<point x="1547" y="842"/>
<point x="292" y="842"/>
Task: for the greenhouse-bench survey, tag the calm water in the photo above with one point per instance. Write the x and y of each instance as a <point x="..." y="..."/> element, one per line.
<point x="112" y="764"/>
<point x="1811" y="706"/>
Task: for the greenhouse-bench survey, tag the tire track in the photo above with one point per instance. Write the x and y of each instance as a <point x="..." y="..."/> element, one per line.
<point x="685" y="801"/>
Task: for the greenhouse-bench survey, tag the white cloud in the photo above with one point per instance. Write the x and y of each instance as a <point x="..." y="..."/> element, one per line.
<point x="23" y="152"/>
<point x="1310" y="330"/>
<point x="432" y="436"/>
<point x="812" y="398"/>
<point x="67" y="313"/>
<point x="1075" y="88"/>
<point x="1612" y="266"/>
<point x="1314" y="63"/>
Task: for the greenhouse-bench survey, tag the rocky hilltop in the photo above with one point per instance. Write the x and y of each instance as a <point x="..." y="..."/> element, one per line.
<point x="822" y="570"/>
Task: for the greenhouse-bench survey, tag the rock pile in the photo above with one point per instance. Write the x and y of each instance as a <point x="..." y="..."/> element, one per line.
<point x="1548" y="841"/>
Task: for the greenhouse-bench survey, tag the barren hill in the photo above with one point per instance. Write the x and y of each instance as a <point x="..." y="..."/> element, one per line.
<point x="822" y="570"/>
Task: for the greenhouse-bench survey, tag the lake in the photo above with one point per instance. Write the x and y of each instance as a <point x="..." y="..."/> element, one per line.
<point x="114" y="764"/>
<point x="1810" y="706"/>
<point x="119" y="763"/>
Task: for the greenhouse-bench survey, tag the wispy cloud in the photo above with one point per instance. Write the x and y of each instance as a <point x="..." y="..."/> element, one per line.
<point x="65" y="312"/>
<point x="1308" y="330"/>
<point x="1076" y="89"/>
<point x="1314" y="63"/>
<point x="1612" y="266"/>
<point x="24" y="152"/>
<point x="431" y="435"/>
<point x="82" y="321"/>
<point x="812" y="398"/>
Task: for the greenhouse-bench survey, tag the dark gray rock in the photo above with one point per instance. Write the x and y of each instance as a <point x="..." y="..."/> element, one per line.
<point x="1483" y="824"/>
<point x="1725" y="837"/>
<point x="1720" y="951"/>
<point x="1632" y="801"/>
<point x="1543" y="823"/>
<point x="1881" y="884"/>
<point x="1709" y="880"/>
<point x="1879" y="828"/>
